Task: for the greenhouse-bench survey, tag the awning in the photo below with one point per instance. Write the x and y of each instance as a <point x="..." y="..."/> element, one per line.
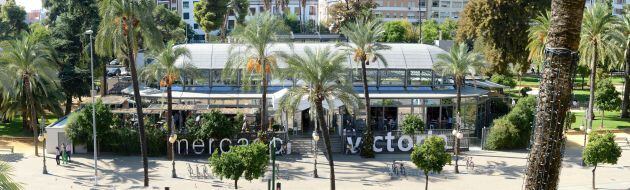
<point x="230" y="110"/>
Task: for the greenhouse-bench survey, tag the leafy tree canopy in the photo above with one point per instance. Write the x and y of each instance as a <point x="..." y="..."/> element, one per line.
<point x="601" y="148"/>
<point x="12" y="19"/>
<point x="412" y="124"/>
<point x="216" y="125"/>
<point x="502" y="25"/>
<point x="429" y="32"/>
<point x="170" y="24"/>
<point x="209" y="14"/>
<point x="431" y="156"/>
<point x="606" y="96"/>
<point x="349" y="11"/>
<point x="249" y="161"/>
<point x="79" y="128"/>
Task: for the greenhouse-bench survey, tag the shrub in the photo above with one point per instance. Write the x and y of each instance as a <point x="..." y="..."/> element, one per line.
<point x="79" y="129"/>
<point x="431" y="156"/>
<point x="411" y="124"/>
<point x="503" y="80"/>
<point x="215" y="125"/>
<point x="502" y="135"/>
<point x="514" y="129"/>
<point x="601" y="149"/>
<point x="249" y="161"/>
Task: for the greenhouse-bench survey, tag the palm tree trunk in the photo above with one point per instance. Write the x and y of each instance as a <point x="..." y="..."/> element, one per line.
<point x="625" y="105"/>
<point x="68" y="105"/>
<point x="263" y="111"/>
<point x="591" y="98"/>
<point x="458" y="84"/>
<point x="104" y="81"/>
<point x="31" y="107"/>
<point x="169" y="120"/>
<point x="224" y="25"/>
<point x="138" y="99"/>
<point x="324" y="129"/>
<point x="25" y="124"/>
<point x="543" y="168"/>
<point x="368" y="136"/>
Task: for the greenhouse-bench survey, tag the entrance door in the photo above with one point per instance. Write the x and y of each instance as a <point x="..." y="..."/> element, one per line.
<point x="307" y="124"/>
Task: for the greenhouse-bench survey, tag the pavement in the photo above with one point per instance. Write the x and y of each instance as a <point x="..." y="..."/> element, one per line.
<point x="493" y="170"/>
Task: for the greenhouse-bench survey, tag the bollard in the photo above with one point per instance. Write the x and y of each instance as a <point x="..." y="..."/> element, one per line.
<point x="278" y="186"/>
<point x="167" y="188"/>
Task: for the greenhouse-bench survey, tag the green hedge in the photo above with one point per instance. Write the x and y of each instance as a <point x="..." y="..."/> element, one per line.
<point x="504" y="80"/>
<point x="513" y="130"/>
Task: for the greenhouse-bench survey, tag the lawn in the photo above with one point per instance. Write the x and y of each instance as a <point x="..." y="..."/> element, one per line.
<point x="611" y="121"/>
<point x="14" y="128"/>
<point x="535" y="81"/>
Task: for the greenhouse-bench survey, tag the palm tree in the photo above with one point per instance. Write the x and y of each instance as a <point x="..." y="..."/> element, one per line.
<point x="325" y="79"/>
<point x="458" y="63"/>
<point x="127" y="26"/>
<point x="164" y="70"/>
<point x="598" y="44"/>
<point x="364" y="37"/>
<point x="302" y="14"/>
<point x="251" y="53"/>
<point x="240" y="9"/>
<point x="27" y="63"/>
<point x="538" y="37"/>
<point x="544" y="163"/>
<point x="624" y="28"/>
<point x="5" y="177"/>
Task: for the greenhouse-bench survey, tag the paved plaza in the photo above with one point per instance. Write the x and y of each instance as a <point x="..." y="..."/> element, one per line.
<point x="494" y="170"/>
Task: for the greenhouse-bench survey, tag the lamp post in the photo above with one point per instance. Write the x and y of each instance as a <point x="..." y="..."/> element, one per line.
<point x="92" y="93"/>
<point x="315" y="139"/>
<point x="42" y="138"/>
<point x="172" y="140"/>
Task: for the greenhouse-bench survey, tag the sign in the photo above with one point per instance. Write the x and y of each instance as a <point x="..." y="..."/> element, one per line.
<point x="386" y="143"/>
<point x="200" y="147"/>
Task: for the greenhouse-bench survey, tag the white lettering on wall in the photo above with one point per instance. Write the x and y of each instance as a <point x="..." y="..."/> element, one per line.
<point x="195" y="145"/>
<point x="221" y="144"/>
<point x="241" y="140"/>
<point x="389" y="139"/>
<point x="401" y="144"/>
<point x="179" y="146"/>
<point x="377" y="138"/>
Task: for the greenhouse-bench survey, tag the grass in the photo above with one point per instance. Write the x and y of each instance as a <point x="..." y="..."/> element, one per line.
<point x="535" y="81"/>
<point x="611" y="121"/>
<point x="14" y="127"/>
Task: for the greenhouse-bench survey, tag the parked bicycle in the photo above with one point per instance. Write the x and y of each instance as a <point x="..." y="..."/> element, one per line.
<point x="469" y="163"/>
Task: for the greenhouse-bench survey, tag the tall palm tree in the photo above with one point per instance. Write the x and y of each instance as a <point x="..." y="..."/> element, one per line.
<point x="325" y="79"/>
<point x="27" y="63"/>
<point x="364" y="37"/>
<point x="251" y="53"/>
<point x="624" y="28"/>
<point x="538" y="37"/>
<point x="563" y="40"/>
<point x="598" y="44"/>
<point x="127" y="26"/>
<point x="5" y="177"/>
<point x="240" y="9"/>
<point x="458" y="63"/>
<point x="302" y="14"/>
<point x="166" y="72"/>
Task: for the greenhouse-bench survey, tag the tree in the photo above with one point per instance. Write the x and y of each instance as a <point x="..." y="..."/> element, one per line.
<point x="255" y="38"/>
<point x="502" y="27"/>
<point x="364" y="46"/>
<point x="412" y="124"/>
<point x="239" y="9"/>
<point x="448" y="28"/>
<point x="68" y="20"/>
<point x="538" y="37"/>
<point x="126" y="27"/>
<point x="6" y="182"/>
<point x="325" y="78"/>
<point x="458" y="63"/>
<point x="209" y="14"/>
<point x="429" y="32"/>
<point x="12" y="19"/>
<point x="601" y="149"/>
<point x="347" y="12"/>
<point x="606" y="97"/>
<point x="79" y="128"/>
<point x="597" y="45"/>
<point x="170" y="24"/>
<point x="624" y="27"/>
<point x="216" y="125"/>
<point x="431" y="156"/>
<point x="27" y="62"/>
<point x="394" y="31"/>
<point x="249" y="161"/>
<point x="165" y="70"/>
<point x="555" y="95"/>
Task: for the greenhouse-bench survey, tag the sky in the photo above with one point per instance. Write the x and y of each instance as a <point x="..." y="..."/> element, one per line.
<point x="30" y="4"/>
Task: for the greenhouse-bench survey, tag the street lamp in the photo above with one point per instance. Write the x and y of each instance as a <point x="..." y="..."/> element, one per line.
<point x="172" y="140"/>
<point x="315" y="139"/>
<point x="92" y="93"/>
<point x="42" y="138"/>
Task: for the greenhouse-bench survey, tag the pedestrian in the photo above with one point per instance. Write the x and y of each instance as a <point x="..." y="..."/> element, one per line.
<point x="69" y="151"/>
<point x="64" y="154"/>
<point x="57" y="155"/>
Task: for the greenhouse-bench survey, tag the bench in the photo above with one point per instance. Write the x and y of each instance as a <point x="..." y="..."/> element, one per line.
<point x="623" y="139"/>
<point x="7" y="149"/>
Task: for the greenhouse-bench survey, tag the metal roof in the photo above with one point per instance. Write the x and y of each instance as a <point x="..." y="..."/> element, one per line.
<point x="400" y="56"/>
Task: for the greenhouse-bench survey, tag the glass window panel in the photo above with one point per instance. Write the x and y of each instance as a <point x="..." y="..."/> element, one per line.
<point x="420" y="78"/>
<point x="371" y="77"/>
<point x="392" y="77"/>
<point x="202" y="78"/>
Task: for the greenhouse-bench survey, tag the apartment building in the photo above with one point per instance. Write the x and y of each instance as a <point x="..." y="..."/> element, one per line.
<point x="415" y="10"/>
<point x="617" y="5"/>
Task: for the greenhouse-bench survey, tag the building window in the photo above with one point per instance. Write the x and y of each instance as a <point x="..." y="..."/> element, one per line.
<point x="436" y="4"/>
<point x="620" y="2"/>
<point x="252" y="11"/>
<point x="311" y="10"/>
<point x="186" y="16"/>
<point x="186" y="4"/>
<point x="445" y="4"/>
<point x="419" y="78"/>
<point x="619" y="11"/>
<point x="434" y="15"/>
<point x="423" y="3"/>
<point x="457" y="4"/>
<point x="196" y="26"/>
<point x="297" y="11"/>
<point x="392" y="77"/>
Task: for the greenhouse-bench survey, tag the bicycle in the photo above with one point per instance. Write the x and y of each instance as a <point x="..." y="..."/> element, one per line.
<point x="470" y="164"/>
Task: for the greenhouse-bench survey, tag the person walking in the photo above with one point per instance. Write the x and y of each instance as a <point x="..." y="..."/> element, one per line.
<point x="57" y="154"/>
<point x="69" y="151"/>
<point x="64" y="154"/>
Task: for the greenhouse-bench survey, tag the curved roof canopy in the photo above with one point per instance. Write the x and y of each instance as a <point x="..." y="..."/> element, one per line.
<point x="400" y="56"/>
